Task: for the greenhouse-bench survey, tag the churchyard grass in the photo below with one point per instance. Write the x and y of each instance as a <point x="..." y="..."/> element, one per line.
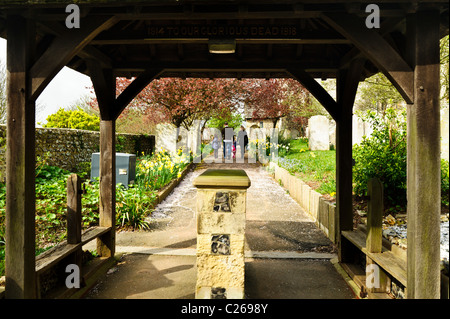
<point x="317" y="168"/>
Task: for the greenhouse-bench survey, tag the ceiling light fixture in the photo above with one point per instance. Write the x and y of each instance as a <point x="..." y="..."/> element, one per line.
<point x="222" y="46"/>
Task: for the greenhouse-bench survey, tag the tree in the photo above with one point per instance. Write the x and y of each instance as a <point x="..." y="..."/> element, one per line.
<point x="84" y="103"/>
<point x="75" y="119"/>
<point x="377" y="93"/>
<point x="234" y="120"/>
<point x="277" y="98"/>
<point x="181" y="101"/>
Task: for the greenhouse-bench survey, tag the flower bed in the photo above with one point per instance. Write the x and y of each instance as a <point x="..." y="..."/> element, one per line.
<point x="154" y="176"/>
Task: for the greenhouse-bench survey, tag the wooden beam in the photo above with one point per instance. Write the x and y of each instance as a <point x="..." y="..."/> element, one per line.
<point x="316" y="90"/>
<point x="107" y="205"/>
<point x="373" y="46"/>
<point x="134" y="89"/>
<point x="20" y="162"/>
<point x="386" y="26"/>
<point x="104" y="84"/>
<point x="227" y="65"/>
<point x="73" y="209"/>
<point x="63" y="49"/>
<point x="375" y="236"/>
<point x="91" y="52"/>
<point x="374" y="215"/>
<point x="346" y="87"/>
<point x="423" y="162"/>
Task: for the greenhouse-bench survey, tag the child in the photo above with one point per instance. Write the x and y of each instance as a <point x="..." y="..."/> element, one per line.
<point x="215" y="145"/>
<point x="233" y="149"/>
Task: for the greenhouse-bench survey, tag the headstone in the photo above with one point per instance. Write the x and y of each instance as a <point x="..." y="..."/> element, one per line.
<point x="319" y="139"/>
<point x="360" y="129"/>
<point x="166" y="137"/>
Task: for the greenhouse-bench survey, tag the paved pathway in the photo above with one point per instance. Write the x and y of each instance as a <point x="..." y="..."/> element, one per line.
<point x="287" y="255"/>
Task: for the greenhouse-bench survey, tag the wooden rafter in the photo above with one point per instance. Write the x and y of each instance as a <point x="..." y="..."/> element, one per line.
<point x="63" y="49"/>
<point x="133" y="89"/>
<point x="316" y="90"/>
<point x="378" y="50"/>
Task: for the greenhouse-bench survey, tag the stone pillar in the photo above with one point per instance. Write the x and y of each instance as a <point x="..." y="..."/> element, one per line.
<point x="221" y="205"/>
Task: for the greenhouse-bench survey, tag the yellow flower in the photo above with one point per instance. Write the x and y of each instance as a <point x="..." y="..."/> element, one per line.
<point x="179" y="175"/>
<point x="312" y="154"/>
<point x="332" y="194"/>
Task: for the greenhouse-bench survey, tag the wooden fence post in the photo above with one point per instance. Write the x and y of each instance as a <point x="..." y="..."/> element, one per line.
<point x="375" y="278"/>
<point x="74" y="218"/>
<point x="74" y="209"/>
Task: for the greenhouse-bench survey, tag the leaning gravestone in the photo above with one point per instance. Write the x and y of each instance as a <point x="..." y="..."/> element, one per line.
<point x="319" y="139"/>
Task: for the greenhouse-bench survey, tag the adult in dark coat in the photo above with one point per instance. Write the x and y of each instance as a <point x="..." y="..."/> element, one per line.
<point x="227" y="138"/>
<point x="242" y="140"/>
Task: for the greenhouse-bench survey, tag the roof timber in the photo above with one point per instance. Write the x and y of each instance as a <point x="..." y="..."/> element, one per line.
<point x="128" y="48"/>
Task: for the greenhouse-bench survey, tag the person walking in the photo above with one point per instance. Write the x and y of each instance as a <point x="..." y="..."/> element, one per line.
<point x="227" y="137"/>
<point x="242" y="140"/>
<point x="216" y="145"/>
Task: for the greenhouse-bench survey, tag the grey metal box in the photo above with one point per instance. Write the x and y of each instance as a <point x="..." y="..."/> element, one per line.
<point x="125" y="167"/>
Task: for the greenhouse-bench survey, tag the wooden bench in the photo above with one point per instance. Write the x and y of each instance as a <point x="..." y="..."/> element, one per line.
<point x="72" y="247"/>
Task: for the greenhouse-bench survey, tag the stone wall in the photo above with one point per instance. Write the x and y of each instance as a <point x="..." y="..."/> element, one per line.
<point x="67" y="148"/>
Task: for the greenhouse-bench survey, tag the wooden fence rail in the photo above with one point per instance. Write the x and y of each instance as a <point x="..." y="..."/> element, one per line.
<point x="382" y="265"/>
<point x="69" y="251"/>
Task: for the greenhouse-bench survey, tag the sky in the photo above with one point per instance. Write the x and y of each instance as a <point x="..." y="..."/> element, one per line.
<point x="66" y="88"/>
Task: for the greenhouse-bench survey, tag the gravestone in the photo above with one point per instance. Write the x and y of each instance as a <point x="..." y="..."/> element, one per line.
<point x="166" y="137"/>
<point x="319" y="139"/>
<point x="221" y="205"/>
<point x="360" y="129"/>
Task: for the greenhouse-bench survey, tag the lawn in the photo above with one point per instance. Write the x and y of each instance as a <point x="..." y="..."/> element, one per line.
<point x="317" y="168"/>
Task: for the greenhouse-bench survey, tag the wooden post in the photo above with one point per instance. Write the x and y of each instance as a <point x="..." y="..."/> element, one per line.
<point x="346" y="87"/>
<point x="105" y="89"/>
<point x="20" y="162"/>
<point x="423" y="162"/>
<point x="374" y="236"/>
<point x="74" y="218"/>
<point x="374" y="215"/>
<point x="73" y="209"/>
<point x="106" y="243"/>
